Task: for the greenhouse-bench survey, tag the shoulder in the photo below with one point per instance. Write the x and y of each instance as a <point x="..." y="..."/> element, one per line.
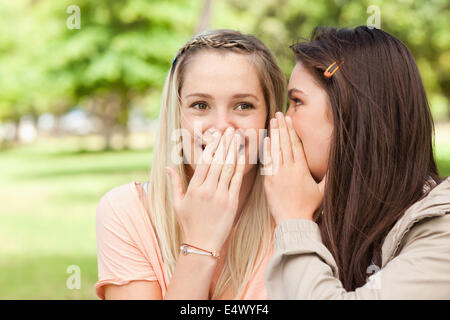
<point x="120" y="204"/>
<point x="433" y="227"/>
<point x="425" y="224"/>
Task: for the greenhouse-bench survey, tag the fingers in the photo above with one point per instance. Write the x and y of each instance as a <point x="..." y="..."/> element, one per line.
<point x="217" y="164"/>
<point x="275" y="150"/>
<point x="285" y="141"/>
<point x="177" y="185"/>
<point x="230" y="163"/>
<point x="267" y="157"/>
<point x="202" y="168"/>
<point x="297" y="147"/>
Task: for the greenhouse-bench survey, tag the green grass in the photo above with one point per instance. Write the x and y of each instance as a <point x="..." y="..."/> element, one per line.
<point x="48" y="196"/>
<point x="47" y="215"/>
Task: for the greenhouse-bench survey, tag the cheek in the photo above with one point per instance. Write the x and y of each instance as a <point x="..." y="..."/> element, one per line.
<point x="316" y="138"/>
<point x="317" y="148"/>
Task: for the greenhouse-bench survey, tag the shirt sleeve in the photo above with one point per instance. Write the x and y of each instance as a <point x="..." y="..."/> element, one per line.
<point x="303" y="268"/>
<point x="120" y="261"/>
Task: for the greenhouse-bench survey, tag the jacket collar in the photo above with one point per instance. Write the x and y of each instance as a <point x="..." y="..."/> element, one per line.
<point x="435" y="204"/>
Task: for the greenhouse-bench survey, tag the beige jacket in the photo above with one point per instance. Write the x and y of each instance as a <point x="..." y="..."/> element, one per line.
<point x="415" y="258"/>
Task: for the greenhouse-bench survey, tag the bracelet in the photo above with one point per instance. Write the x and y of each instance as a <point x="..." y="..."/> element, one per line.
<point x="188" y="248"/>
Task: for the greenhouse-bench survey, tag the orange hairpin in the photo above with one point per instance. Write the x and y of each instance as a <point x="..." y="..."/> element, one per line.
<point x="327" y="72"/>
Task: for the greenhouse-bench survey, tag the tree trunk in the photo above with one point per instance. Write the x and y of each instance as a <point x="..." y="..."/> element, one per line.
<point x="205" y="17"/>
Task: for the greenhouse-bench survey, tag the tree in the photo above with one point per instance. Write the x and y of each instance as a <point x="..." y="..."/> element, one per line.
<point x="122" y="50"/>
<point x="421" y="24"/>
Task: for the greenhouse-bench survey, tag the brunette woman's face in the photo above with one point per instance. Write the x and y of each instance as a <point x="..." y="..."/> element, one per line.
<point x="222" y="90"/>
<point x="310" y="110"/>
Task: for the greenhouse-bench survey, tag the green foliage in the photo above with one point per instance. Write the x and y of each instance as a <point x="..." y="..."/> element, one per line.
<point x="424" y="26"/>
<point x="124" y="47"/>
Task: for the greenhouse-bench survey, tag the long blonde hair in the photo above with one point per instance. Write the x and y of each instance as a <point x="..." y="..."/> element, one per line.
<point x="252" y="235"/>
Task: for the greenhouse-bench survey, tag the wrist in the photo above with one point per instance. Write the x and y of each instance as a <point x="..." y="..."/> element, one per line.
<point x="197" y="262"/>
<point x="206" y="246"/>
<point x="187" y="248"/>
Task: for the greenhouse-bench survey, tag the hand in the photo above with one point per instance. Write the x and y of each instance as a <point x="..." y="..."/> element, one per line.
<point x="207" y="209"/>
<point x="292" y="192"/>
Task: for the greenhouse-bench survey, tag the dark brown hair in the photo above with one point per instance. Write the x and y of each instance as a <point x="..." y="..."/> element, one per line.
<point x="381" y="152"/>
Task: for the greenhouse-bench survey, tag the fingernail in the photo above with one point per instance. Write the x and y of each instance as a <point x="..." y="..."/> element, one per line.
<point x="229" y="131"/>
<point x="279" y="115"/>
<point x="274" y="123"/>
<point x="216" y="134"/>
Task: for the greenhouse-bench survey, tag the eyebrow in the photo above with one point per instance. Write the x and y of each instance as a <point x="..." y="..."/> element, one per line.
<point x="202" y="95"/>
<point x="291" y="91"/>
<point x="235" y="96"/>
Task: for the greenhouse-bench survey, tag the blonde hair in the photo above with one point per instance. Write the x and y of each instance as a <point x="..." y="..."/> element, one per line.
<point x="251" y="238"/>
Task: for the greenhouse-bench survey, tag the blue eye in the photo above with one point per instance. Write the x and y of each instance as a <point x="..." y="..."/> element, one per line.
<point x="244" y="106"/>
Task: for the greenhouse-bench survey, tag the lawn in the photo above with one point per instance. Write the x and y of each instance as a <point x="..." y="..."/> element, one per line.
<point x="47" y="218"/>
<point x="49" y="193"/>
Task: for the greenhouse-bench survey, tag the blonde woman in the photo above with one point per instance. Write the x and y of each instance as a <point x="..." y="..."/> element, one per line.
<point x="219" y="94"/>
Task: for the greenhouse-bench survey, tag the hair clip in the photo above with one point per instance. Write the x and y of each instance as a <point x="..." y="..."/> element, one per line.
<point x="327" y="72"/>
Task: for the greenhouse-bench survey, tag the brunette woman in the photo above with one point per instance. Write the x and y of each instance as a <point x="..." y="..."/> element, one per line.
<point x="361" y="210"/>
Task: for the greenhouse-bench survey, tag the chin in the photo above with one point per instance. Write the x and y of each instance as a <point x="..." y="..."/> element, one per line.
<point x="318" y="175"/>
<point x="317" y="171"/>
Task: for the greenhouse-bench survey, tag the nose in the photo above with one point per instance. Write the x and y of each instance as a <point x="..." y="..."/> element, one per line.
<point x="222" y="120"/>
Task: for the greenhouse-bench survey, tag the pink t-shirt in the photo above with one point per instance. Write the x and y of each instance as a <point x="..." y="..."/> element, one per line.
<point x="127" y="246"/>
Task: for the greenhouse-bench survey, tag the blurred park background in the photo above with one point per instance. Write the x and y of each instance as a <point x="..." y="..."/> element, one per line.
<point x="79" y="107"/>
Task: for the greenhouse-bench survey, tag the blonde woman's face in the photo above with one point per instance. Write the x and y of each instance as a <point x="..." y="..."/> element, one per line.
<point x="221" y="90"/>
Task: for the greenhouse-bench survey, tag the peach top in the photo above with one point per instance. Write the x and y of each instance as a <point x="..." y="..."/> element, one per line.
<point x="128" y="249"/>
